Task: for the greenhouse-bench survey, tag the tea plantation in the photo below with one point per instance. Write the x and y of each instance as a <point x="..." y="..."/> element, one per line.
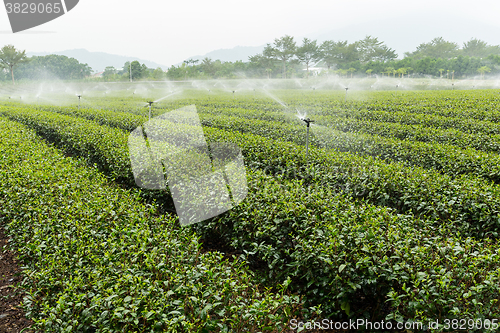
<point x="393" y="215"/>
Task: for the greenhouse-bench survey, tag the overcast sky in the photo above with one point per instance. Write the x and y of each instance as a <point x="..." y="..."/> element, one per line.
<point x="168" y="32"/>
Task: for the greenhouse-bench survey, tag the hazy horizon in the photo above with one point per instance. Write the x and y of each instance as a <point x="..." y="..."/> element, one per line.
<point x="168" y="33"/>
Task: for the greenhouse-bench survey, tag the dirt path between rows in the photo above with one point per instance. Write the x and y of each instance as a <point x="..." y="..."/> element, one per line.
<point x="12" y="317"/>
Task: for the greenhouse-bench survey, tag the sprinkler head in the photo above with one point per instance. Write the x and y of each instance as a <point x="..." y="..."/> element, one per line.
<point x="346" y="89"/>
<point x="150" y="103"/>
<point x="79" y="96"/>
<point x="307" y="121"/>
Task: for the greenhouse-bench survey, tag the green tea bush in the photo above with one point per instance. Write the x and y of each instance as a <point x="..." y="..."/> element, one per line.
<point x="95" y="259"/>
<point x="465" y="202"/>
<point x="347" y="255"/>
<point x="445" y="158"/>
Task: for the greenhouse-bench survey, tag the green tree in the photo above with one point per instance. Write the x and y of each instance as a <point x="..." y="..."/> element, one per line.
<point x="475" y="48"/>
<point x="342" y="72"/>
<point x="268" y="71"/>
<point x="145" y="72"/>
<point x="239" y="67"/>
<point x="482" y="70"/>
<point x="389" y="71"/>
<point x="339" y="53"/>
<point x="347" y="53"/>
<point x="437" y="48"/>
<point x="158" y="74"/>
<point x="283" y="49"/>
<point x="371" y="49"/>
<point x="126" y="71"/>
<point x="208" y="66"/>
<point x="10" y="57"/>
<point x="478" y="48"/>
<point x="351" y="70"/>
<point x="261" y="64"/>
<point x="369" y="72"/>
<point x="401" y="71"/>
<point x="109" y="73"/>
<point x="175" y="73"/>
<point x="441" y="70"/>
<point x="329" y="52"/>
<point x="136" y="70"/>
<point x="191" y="62"/>
<point x="409" y="70"/>
<point x="52" y="66"/>
<point x="308" y="52"/>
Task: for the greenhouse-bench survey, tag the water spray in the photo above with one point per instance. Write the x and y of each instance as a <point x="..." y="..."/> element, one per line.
<point x="308" y="122"/>
<point x="150" y="103"/>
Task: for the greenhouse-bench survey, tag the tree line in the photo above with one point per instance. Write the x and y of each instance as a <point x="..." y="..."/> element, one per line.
<point x="133" y="71"/>
<point x="367" y="57"/>
<point x="14" y="64"/>
<point x="283" y="58"/>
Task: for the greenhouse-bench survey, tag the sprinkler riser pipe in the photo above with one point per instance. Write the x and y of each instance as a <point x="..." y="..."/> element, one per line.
<point x="307" y="141"/>
<point x="150" y="103"/>
<point x="308" y="122"/>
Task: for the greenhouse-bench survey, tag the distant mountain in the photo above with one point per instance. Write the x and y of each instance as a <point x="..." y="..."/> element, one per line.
<point x="98" y="61"/>
<point x="236" y="53"/>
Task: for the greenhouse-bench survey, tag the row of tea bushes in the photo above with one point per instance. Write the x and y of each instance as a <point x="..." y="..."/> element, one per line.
<point x="478" y="105"/>
<point x="99" y="145"/>
<point x="466" y="125"/>
<point x="465" y="203"/>
<point x="445" y="158"/>
<point x="450" y="136"/>
<point x="284" y="238"/>
<point x="350" y="256"/>
<point x="96" y="259"/>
